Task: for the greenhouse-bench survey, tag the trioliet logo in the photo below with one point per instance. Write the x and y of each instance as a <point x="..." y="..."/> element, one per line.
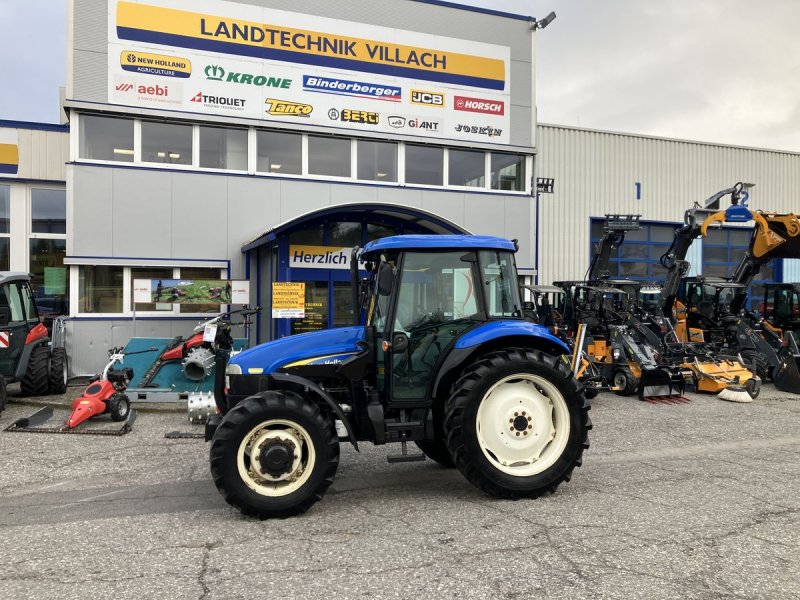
<point x="285" y="108"/>
<point x="219" y="101"/>
<point x="427" y="98"/>
<point x="217" y="73"/>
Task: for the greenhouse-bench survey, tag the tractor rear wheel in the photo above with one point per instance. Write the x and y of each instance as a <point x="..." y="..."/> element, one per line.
<point x="36" y="381"/>
<point x="58" y="371"/>
<point x="274" y="455"/>
<point x="517" y="423"/>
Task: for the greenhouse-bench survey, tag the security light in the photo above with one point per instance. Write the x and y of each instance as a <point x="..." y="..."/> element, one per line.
<point x="542" y="23"/>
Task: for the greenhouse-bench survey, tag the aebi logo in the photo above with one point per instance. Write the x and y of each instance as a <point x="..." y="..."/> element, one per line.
<point x="124" y="87"/>
<point x="160" y="91"/>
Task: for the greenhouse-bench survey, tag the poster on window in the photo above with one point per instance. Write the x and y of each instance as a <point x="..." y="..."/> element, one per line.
<point x="191" y="291"/>
<point x="9" y="152"/>
<point x="240" y="60"/>
<point x="288" y="300"/>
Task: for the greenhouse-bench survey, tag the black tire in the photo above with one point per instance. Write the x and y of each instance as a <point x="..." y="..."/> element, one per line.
<point x="436" y="449"/>
<point x="3" y="394"/>
<point x="462" y="411"/>
<point x="590" y="393"/>
<point x="58" y="371"/>
<point x="625" y="381"/>
<point x="247" y="418"/>
<point x="118" y="406"/>
<point x="36" y="381"/>
<point x="755" y="362"/>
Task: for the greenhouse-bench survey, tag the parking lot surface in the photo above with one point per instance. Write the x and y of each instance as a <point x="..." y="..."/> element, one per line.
<point x="700" y="500"/>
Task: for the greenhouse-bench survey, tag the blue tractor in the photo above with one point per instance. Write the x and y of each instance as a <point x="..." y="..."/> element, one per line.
<point x="441" y="356"/>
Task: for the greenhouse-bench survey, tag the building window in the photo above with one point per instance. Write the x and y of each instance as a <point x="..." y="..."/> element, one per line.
<point x="201" y="273"/>
<point x="639" y="256"/>
<point x="169" y="143"/>
<point x="329" y="156"/>
<point x="377" y="161"/>
<point x="100" y="289"/>
<point x="279" y="152"/>
<point x="508" y="172"/>
<point x="223" y="148"/>
<point x="424" y="165"/>
<point x="467" y="168"/>
<point x="5" y="200"/>
<point x="48" y="211"/>
<point x="106" y="138"/>
<point x="723" y="250"/>
<point x="50" y="277"/>
<point x="150" y="273"/>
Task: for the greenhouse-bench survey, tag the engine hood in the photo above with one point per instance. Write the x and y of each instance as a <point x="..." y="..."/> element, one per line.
<point x="330" y="346"/>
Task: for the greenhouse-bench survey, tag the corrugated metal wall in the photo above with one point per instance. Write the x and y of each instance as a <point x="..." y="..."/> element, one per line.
<point x="596" y="173"/>
<point x="43" y="154"/>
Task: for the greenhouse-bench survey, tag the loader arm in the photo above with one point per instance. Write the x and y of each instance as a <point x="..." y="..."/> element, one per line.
<point x="614" y="230"/>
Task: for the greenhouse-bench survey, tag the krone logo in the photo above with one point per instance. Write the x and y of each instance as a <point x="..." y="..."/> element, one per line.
<point x="287" y="109"/>
<point x="214" y="72"/>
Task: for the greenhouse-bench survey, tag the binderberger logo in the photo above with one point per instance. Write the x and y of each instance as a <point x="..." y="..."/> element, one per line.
<point x="284" y="108"/>
<point x="217" y="73"/>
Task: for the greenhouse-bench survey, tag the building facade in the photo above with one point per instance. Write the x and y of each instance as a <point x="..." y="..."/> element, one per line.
<point x="262" y="140"/>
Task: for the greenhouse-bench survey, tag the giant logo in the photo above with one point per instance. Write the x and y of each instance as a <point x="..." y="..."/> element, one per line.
<point x="344" y="87"/>
<point x="284" y="108"/>
<point x="155" y="64"/>
<point x="217" y="73"/>
<point x="479" y="105"/>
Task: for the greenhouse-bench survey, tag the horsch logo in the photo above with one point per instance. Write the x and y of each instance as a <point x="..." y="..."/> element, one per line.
<point x="479" y="105"/>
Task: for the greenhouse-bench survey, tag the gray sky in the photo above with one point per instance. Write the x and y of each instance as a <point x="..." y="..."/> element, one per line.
<point x="724" y="71"/>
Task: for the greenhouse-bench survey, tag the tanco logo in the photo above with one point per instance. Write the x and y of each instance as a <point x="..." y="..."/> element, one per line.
<point x="217" y="73"/>
<point x="288" y="109"/>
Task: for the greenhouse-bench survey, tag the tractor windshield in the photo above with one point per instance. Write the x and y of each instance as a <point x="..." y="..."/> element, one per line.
<point x="499" y="276"/>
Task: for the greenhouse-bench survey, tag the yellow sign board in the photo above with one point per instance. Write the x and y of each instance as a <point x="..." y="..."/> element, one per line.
<point x="288" y="300"/>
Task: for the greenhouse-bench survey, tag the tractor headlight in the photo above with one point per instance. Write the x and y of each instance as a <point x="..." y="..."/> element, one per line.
<point x="231" y="369"/>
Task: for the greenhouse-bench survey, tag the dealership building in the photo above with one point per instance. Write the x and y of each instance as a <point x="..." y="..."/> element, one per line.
<point x="259" y="141"/>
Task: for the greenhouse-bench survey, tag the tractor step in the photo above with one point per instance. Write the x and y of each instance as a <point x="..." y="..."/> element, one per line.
<point x="404" y="456"/>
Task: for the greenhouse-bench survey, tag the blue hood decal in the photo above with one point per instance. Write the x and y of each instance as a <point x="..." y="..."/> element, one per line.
<point x="271" y="356"/>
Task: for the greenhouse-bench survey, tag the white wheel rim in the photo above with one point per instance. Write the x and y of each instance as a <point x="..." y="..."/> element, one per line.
<point x="620" y="380"/>
<point x="509" y="402"/>
<point x="122" y="408"/>
<point x="300" y="470"/>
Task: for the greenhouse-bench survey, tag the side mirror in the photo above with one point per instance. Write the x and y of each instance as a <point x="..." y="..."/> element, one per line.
<point x="5" y="315"/>
<point x="399" y="342"/>
<point x="385" y="279"/>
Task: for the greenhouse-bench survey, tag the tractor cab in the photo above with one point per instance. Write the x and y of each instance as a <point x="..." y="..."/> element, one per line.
<point x="708" y="300"/>
<point x="781" y="307"/>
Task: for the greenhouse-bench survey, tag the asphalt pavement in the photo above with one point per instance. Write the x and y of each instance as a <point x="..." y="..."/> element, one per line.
<point x="700" y="500"/>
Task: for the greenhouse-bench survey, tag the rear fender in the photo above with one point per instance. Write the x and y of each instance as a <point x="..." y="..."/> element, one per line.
<point x="464" y="351"/>
<point x="25" y="356"/>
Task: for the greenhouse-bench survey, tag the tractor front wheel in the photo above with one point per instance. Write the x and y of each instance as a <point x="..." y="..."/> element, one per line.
<point x="517" y="423"/>
<point x="36" y="381"/>
<point x="274" y="455"/>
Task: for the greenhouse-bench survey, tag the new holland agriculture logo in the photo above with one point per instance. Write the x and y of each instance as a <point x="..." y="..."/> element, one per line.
<point x="349" y="115"/>
<point x="284" y="108"/>
<point x="155" y="64"/>
<point x="217" y="73"/>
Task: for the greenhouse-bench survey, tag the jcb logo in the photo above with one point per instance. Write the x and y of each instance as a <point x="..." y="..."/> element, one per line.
<point x="427" y="98"/>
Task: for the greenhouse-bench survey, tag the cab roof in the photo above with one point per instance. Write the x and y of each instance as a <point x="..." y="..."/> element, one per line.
<point x="440" y="242"/>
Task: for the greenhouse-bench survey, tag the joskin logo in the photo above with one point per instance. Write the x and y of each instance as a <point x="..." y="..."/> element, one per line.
<point x="284" y="108"/>
<point x="218" y="101"/>
<point x="155" y="64"/>
<point x="217" y="73"/>
<point x="479" y="105"/>
<point x="476" y="130"/>
<point x="427" y="98"/>
<point x="349" y="115"/>
<point x="358" y="89"/>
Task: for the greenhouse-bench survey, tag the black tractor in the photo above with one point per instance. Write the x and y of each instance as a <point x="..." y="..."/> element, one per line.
<point x="25" y="352"/>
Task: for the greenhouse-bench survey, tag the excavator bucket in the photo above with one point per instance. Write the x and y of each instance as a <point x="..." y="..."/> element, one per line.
<point x="787" y="375"/>
<point x="662" y="386"/>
